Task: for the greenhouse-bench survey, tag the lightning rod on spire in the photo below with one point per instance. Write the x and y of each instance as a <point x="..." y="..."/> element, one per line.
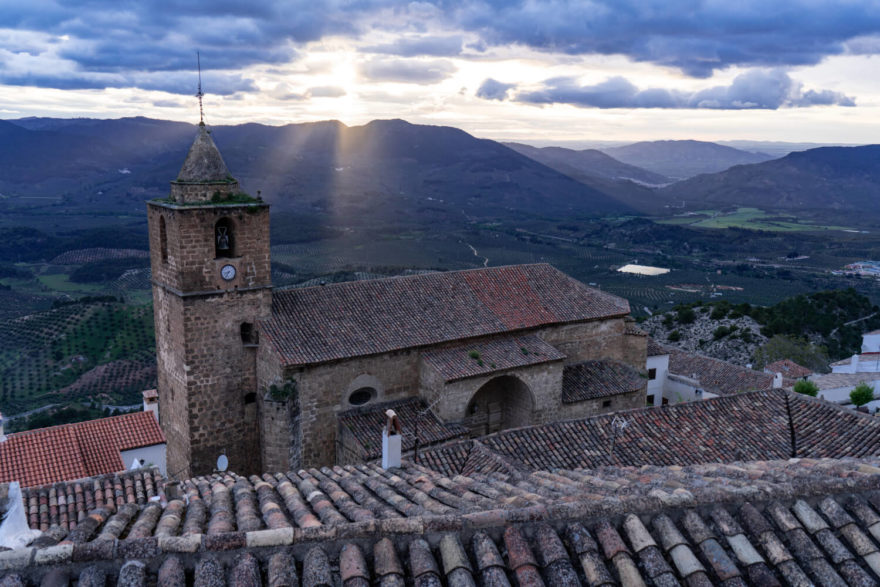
<point x="200" y="94"/>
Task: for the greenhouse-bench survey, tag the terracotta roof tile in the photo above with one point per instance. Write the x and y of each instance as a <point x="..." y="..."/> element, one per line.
<point x="598" y="379"/>
<point x="788" y="368"/>
<point x="715" y="376"/>
<point x="74" y="451"/>
<point x="337" y="321"/>
<point x="482" y="358"/>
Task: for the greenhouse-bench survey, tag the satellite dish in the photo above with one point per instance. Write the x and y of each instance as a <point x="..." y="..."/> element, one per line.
<point x="222" y="463"/>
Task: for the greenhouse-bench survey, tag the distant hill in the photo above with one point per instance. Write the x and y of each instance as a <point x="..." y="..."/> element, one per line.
<point x="842" y="180"/>
<point x="388" y="168"/>
<point x="589" y="162"/>
<point x="683" y="159"/>
<point x="628" y="184"/>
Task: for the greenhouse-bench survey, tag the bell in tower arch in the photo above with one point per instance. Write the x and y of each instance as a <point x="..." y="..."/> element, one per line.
<point x="223" y="238"/>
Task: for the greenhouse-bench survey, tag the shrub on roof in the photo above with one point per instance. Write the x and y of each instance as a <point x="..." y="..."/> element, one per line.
<point x="806" y="388"/>
<point x="861" y="394"/>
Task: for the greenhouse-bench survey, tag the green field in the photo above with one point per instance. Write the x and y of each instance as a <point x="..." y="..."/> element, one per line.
<point x="752" y="218"/>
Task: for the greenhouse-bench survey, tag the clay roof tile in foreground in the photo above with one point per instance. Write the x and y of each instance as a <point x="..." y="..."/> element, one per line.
<point x="74" y="451"/>
<point x="762" y="522"/>
<point x="338" y="321"/>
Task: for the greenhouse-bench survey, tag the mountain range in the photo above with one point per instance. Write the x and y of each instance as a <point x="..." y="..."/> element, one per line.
<point x="391" y="170"/>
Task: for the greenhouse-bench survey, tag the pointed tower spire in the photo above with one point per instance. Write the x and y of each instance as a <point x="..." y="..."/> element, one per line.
<point x="204" y="176"/>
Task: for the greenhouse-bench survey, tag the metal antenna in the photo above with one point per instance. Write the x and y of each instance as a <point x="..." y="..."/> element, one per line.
<point x="200" y="94"/>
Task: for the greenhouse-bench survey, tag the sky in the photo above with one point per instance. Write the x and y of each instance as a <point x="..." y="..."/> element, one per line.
<point x="551" y="71"/>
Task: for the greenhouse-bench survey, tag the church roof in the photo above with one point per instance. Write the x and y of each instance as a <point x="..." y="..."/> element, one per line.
<point x="343" y="320"/>
<point x="492" y="356"/>
<point x="599" y="379"/>
<point x="74" y="451"/>
<point x="203" y="163"/>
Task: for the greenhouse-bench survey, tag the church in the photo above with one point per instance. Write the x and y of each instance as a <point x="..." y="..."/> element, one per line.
<point x="280" y="380"/>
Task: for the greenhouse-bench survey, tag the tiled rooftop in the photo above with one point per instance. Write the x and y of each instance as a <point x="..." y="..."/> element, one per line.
<point x="598" y="379"/>
<point x="366" y="425"/>
<point x="788" y="368"/>
<point x="837" y="380"/>
<point x="337" y="321"/>
<point x="471" y="360"/>
<point x="759" y="425"/>
<point x="718" y="377"/>
<point x="74" y="451"/>
<point x="655" y="349"/>
<point x="797" y="522"/>
<point x="863" y="357"/>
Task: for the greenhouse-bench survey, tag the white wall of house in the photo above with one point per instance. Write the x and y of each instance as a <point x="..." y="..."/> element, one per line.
<point x="871" y="343"/>
<point x="152" y="456"/>
<point x="660" y="365"/>
<point x="859" y="364"/>
<point x="840" y="395"/>
<point x="684" y="389"/>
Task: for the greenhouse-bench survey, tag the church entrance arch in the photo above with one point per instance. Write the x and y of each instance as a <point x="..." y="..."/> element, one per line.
<point x="500" y="403"/>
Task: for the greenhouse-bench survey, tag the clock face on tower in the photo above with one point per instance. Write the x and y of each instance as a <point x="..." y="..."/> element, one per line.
<point x="227" y="272"/>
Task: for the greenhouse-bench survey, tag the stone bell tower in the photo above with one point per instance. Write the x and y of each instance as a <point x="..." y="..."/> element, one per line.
<point x="209" y="254"/>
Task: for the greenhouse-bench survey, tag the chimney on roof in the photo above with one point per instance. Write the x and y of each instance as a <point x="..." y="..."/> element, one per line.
<point x="391" y="438"/>
<point x="151" y="402"/>
<point x="855" y="363"/>
<point x="2" y="433"/>
<point x="777" y="380"/>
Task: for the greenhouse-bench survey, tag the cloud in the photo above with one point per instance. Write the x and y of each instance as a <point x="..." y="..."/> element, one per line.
<point x="430" y="46"/>
<point x="756" y="89"/>
<point x="221" y="84"/>
<point x="697" y="37"/>
<point x="326" y="92"/>
<point x="492" y="89"/>
<point x="412" y="71"/>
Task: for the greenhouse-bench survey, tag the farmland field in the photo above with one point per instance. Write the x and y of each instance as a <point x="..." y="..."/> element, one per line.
<point x="752" y="218"/>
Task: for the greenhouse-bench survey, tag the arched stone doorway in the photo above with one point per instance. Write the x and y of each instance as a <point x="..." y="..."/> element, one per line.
<point x="501" y="403"/>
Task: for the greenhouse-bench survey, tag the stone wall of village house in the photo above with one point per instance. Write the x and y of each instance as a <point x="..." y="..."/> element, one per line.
<point x="594" y="407"/>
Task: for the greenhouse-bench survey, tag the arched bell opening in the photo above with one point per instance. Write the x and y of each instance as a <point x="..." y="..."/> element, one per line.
<point x="224" y="238"/>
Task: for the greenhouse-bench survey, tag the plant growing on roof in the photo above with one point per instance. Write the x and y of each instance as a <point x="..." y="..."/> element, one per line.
<point x="806" y="387"/>
<point x="861" y="394"/>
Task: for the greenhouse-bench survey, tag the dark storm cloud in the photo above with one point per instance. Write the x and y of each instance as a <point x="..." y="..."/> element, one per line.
<point x="422" y="72"/>
<point x="757" y="89"/>
<point x="429" y="46"/>
<point x="697" y="37"/>
<point x="492" y="89"/>
<point x="172" y="82"/>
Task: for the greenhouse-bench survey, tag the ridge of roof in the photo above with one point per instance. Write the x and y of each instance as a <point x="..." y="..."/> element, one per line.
<point x="326" y="323"/>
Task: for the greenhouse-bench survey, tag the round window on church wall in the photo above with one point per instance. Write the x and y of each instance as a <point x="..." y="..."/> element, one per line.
<point x="361" y="396"/>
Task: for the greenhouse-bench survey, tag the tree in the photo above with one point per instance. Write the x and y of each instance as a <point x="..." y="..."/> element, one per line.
<point x="806" y="387"/>
<point x="674" y="336"/>
<point x="798" y="350"/>
<point x="861" y="394"/>
<point x="686" y="315"/>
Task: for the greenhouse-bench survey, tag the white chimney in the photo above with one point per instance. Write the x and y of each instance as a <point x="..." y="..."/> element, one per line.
<point x="2" y="433"/>
<point x="391" y="438"/>
<point x="855" y="363"/>
<point x="777" y="380"/>
<point x="151" y="402"/>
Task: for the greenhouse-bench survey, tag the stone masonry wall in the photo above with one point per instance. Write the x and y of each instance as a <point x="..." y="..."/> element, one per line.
<point x="322" y="394"/>
<point x="191" y="265"/>
<point x="544" y="382"/>
<point x="207" y="375"/>
<point x="280" y="440"/>
<point x="171" y="385"/>
<point x="601" y="339"/>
